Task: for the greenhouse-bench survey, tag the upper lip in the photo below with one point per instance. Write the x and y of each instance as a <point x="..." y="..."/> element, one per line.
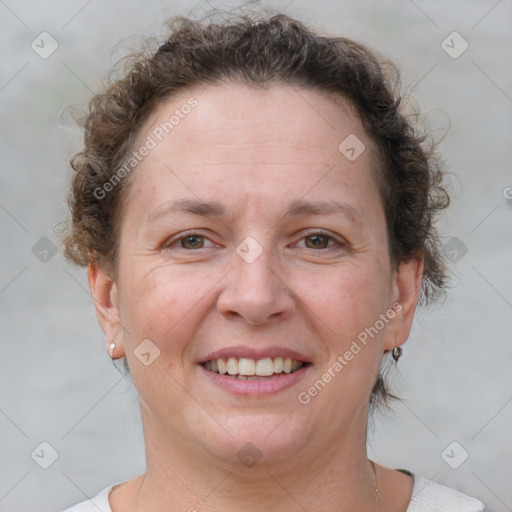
<point x="255" y="353"/>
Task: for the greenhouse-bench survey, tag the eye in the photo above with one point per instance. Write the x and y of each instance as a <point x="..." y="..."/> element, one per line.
<point x="320" y="241"/>
<point x="189" y="242"/>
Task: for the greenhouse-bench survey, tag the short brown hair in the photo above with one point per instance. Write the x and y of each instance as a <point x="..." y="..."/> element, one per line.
<point x="261" y="51"/>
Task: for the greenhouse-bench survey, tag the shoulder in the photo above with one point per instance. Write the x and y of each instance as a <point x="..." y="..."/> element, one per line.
<point x="428" y="496"/>
<point x="99" y="503"/>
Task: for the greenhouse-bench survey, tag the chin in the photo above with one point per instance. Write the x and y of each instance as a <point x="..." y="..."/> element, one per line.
<point x="259" y="440"/>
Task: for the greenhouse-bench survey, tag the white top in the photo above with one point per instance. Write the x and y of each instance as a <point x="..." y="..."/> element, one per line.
<point x="427" y="496"/>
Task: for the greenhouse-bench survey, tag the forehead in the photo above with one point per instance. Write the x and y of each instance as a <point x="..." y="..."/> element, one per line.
<point x="232" y="135"/>
<point x="234" y="114"/>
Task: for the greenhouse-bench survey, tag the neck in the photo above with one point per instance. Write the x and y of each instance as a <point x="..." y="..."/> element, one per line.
<point x="333" y="475"/>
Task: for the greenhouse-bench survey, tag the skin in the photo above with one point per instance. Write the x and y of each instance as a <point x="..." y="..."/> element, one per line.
<point x="254" y="151"/>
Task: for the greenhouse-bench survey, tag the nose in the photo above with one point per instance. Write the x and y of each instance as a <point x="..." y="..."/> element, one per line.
<point x="255" y="291"/>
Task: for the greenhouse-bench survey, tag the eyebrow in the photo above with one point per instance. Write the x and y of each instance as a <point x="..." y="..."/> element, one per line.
<point x="216" y="209"/>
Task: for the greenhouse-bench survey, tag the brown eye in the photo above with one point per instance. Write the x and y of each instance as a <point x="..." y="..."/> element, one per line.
<point x="317" y="241"/>
<point x="188" y="242"/>
<point x="192" y="242"/>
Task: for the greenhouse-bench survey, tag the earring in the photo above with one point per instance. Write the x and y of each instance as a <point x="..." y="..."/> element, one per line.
<point x="111" y="350"/>
<point x="397" y="352"/>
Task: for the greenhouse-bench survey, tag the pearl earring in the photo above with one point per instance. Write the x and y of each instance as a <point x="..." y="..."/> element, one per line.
<point x="111" y="350"/>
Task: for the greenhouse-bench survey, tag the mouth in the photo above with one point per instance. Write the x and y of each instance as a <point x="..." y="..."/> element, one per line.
<point x="248" y="371"/>
<point x="254" y="369"/>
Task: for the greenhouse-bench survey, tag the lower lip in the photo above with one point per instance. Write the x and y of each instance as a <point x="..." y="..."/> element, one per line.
<point x="256" y="387"/>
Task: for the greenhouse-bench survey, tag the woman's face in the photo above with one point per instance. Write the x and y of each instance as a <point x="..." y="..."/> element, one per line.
<point x="254" y="229"/>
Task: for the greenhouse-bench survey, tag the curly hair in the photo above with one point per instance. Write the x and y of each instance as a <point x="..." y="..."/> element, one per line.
<point x="261" y="51"/>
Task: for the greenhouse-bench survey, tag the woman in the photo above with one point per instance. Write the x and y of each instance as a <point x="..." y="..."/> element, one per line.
<point x="256" y="214"/>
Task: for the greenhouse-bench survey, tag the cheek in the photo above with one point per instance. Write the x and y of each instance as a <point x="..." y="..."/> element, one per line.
<point x="162" y="303"/>
<point x="348" y="313"/>
<point x="352" y="299"/>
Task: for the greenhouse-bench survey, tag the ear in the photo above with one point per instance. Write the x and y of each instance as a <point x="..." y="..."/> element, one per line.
<point x="106" y="302"/>
<point x="406" y="291"/>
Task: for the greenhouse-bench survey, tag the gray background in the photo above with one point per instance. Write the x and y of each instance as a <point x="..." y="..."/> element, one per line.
<point x="58" y="383"/>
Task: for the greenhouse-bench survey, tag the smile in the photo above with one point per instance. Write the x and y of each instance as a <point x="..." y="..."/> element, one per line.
<point x="253" y="369"/>
<point x="254" y="377"/>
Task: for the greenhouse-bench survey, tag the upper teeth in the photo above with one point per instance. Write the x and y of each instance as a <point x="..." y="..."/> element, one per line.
<point x="262" y="367"/>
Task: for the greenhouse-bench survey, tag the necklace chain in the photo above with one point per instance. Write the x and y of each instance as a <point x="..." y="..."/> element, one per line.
<point x="376" y="487"/>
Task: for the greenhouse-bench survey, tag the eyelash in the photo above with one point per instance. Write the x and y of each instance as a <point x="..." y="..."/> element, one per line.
<point x="308" y="235"/>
